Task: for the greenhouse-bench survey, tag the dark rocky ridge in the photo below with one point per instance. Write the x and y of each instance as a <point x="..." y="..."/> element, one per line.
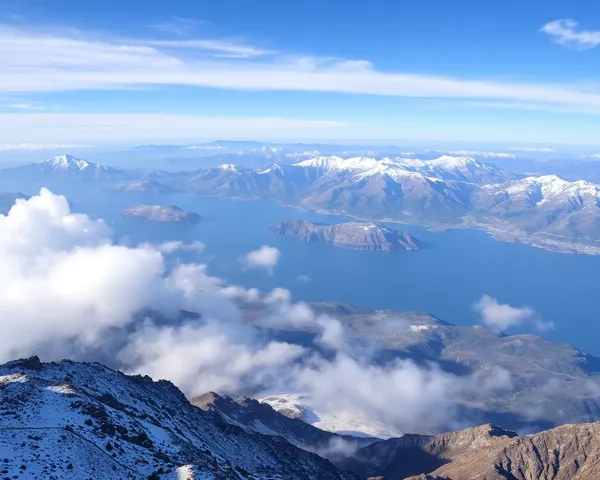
<point x="352" y="235"/>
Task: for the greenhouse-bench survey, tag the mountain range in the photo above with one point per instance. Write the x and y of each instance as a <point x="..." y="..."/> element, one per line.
<point x="70" y="420"/>
<point x="65" y="167"/>
<point x="82" y="420"/>
<point x="442" y="192"/>
<point x="447" y="192"/>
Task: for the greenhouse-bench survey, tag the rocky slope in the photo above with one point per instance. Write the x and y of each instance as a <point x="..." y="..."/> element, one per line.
<point x="569" y="452"/>
<point x="402" y="457"/>
<point x="159" y="213"/>
<point x="259" y="417"/>
<point x="83" y="420"/>
<point x="352" y="235"/>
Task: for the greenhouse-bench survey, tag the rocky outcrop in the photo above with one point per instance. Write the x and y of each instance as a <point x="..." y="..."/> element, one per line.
<point x="398" y="458"/>
<point x="262" y="418"/>
<point x="352" y="235"/>
<point x="570" y="452"/>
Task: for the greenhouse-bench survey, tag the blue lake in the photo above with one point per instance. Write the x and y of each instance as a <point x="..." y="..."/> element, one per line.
<point x="444" y="279"/>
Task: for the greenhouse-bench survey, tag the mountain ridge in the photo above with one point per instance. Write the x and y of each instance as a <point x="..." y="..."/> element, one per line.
<point x="146" y="427"/>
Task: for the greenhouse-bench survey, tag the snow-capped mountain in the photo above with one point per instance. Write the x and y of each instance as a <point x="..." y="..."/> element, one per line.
<point x="546" y="204"/>
<point x="444" y="191"/>
<point x="446" y="167"/>
<point x="547" y="189"/>
<point x="71" y="420"/>
<point x="68" y="163"/>
<point x="65" y="167"/>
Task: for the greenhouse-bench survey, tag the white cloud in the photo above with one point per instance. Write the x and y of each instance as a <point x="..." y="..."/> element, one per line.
<point x="399" y="394"/>
<point x="500" y="316"/>
<point x="68" y="290"/>
<point x="29" y="58"/>
<point x="175" y="245"/>
<point x="222" y="48"/>
<point x="265" y="258"/>
<point x="206" y="358"/>
<point x="235" y="292"/>
<point x="48" y="255"/>
<point x="566" y="32"/>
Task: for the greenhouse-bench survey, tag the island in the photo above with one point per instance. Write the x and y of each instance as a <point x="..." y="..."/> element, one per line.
<point x="145" y="187"/>
<point x="160" y="213"/>
<point x="352" y="235"/>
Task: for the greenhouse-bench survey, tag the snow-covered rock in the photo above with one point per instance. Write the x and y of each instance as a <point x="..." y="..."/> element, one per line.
<point x="83" y="420"/>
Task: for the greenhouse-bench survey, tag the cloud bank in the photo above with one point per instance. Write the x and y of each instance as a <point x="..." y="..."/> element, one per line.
<point x="69" y="291"/>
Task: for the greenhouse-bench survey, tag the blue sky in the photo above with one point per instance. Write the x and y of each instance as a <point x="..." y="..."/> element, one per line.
<point x="135" y="71"/>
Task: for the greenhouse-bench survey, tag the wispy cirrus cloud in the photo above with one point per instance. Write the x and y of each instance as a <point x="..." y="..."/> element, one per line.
<point x="566" y="32"/>
<point x="221" y="48"/>
<point x="31" y="61"/>
<point x="180" y="26"/>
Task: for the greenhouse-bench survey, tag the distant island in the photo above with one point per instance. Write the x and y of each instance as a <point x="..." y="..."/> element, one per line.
<point x="151" y="186"/>
<point x="352" y="235"/>
<point x="159" y="213"/>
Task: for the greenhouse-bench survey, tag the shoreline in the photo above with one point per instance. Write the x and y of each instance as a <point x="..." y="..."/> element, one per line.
<point x="499" y="234"/>
<point x="507" y="234"/>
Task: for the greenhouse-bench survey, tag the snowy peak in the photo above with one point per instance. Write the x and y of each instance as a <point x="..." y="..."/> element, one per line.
<point x="272" y="169"/>
<point x="70" y="420"/>
<point x="446" y="167"/>
<point x="550" y="186"/>
<point x="68" y="162"/>
<point x="229" y="167"/>
<point x="65" y="167"/>
<point x="325" y="164"/>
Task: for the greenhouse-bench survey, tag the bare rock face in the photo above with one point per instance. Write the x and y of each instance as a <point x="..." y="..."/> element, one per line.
<point x="398" y="458"/>
<point x="569" y="452"/>
<point x="352" y="235"/>
<point x="159" y="213"/>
